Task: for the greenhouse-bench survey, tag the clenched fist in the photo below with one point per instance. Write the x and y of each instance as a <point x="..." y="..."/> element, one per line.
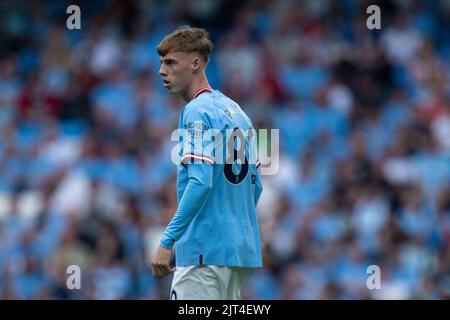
<point x="161" y="262"/>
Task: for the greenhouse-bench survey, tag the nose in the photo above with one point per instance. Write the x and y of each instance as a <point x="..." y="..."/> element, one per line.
<point x="162" y="71"/>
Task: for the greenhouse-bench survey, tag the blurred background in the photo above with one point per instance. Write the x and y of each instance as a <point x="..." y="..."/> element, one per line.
<point x="364" y="118"/>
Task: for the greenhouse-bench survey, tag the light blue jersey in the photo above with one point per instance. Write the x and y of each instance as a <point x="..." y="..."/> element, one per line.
<point x="216" y="222"/>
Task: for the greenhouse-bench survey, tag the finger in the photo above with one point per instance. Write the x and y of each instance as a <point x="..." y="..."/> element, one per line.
<point x="156" y="273"/>
<point x="160" y="271"/>
<point x="156" y="269"/>
<point x="164" y="270"/>
<point x="153" y="269"/>
<point x="168" y="269"/>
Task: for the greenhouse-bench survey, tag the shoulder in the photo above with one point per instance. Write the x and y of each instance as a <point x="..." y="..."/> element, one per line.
<point x="201" y="104"/>
<point x="224" y="100"/>
<point x="203" y="108"/>
<point x="231" y="107"/>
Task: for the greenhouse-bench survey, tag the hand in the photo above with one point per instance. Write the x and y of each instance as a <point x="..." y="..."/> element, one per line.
<point x="161" y="262"/>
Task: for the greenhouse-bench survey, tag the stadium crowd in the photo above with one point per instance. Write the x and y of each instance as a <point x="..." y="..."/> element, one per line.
<point x="86" y="176"/>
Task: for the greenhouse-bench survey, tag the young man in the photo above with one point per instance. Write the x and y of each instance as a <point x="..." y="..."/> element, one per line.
<point x="215" y="227"/>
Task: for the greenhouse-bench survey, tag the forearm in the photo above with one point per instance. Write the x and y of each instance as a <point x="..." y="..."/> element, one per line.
<point x="194" y="197"/>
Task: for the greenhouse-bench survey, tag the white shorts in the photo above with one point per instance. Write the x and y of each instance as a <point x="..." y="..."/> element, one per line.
<point x="208" y="283"/>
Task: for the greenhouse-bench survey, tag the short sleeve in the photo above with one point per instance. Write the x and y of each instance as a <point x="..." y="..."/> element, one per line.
<point x="197" y="136"/>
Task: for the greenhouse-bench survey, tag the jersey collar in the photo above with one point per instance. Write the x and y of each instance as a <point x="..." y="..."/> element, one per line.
<point x="200" y="91"/>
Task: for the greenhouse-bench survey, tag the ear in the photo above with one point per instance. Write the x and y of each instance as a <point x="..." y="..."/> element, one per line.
<point x="196" y="63"/>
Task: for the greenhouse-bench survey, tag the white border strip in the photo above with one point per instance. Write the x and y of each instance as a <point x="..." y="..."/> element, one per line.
<point x="197" y="157"/>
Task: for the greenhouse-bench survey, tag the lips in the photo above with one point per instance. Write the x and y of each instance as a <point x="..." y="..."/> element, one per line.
<point x="166" y="83"/>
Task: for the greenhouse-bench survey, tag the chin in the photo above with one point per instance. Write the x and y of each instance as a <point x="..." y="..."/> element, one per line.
<point x="173" y="91"/>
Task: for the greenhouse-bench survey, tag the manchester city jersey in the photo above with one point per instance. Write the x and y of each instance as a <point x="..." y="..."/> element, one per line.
<point x="216" y="132"/>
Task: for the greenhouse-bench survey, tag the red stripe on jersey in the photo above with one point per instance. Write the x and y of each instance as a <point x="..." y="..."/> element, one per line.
<point x="202" y="90"/>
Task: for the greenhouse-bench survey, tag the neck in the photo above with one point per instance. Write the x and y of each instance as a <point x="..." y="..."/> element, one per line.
<point x="196" y="85"/>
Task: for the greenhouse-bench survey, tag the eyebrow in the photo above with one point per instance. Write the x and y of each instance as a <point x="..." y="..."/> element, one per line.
<point x="166" y="60"/>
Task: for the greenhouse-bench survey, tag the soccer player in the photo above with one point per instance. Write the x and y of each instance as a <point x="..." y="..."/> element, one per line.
<point x="215" y="228"/>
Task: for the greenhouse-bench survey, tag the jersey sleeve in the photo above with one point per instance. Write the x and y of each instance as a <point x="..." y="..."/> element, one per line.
<point x="194" y="197"/>
<point x="198" y="128"/>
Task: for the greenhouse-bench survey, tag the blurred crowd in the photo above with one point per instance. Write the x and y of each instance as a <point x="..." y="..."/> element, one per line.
<point x="364" y="117"/>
